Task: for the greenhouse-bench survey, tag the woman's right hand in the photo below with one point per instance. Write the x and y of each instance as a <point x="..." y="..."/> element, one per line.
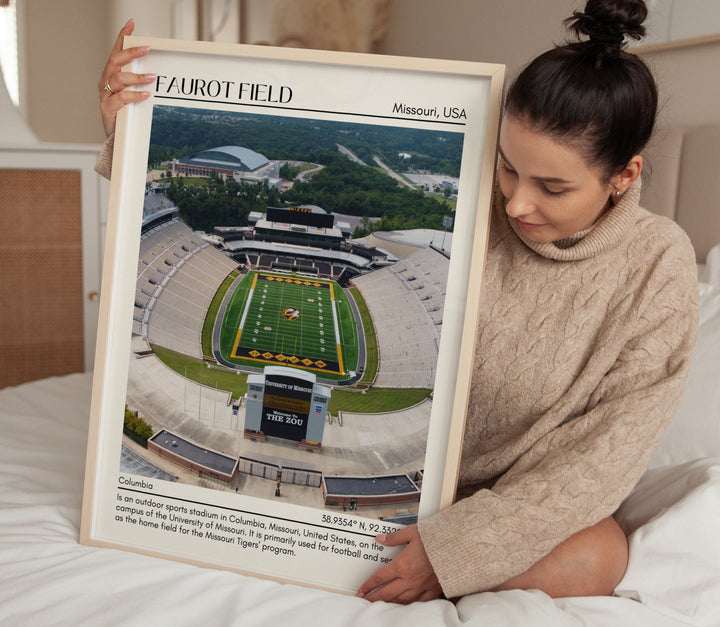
<point x="113" y="82"/>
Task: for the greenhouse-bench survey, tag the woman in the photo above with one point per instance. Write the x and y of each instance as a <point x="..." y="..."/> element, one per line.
<point x="588" y="319"/>
<point x="587" y="324"/>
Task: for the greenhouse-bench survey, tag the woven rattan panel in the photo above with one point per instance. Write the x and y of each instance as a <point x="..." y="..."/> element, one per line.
<point x="41" y="291"/>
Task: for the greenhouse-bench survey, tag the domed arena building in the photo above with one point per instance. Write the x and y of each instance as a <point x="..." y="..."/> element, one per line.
<point x="231" y="161"/>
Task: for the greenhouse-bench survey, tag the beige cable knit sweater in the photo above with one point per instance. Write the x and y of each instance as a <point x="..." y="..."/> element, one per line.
<point x="104" y="163"/>
<point x="582" y="352"/>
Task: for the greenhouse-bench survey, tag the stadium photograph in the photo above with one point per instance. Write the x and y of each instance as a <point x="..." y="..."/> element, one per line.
<point x="288" y="307"/>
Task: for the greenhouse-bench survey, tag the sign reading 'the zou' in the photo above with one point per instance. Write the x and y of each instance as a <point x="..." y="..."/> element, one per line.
<point x="286" y="406"/>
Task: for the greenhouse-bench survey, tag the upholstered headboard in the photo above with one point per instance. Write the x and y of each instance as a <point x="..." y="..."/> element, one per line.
<point x="683" y="182"/>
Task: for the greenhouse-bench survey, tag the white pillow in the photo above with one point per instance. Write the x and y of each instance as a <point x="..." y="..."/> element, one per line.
<point x="695" y="429"/>
<point x="710" y="271"/>
<point x="673" y="518"/>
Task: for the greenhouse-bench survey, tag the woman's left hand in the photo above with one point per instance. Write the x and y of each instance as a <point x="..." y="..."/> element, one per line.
<point x="408" y="577"/>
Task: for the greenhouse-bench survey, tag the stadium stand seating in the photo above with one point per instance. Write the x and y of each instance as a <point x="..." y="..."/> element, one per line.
<point x="406" y="304"/>
<point x="178" y="275"/>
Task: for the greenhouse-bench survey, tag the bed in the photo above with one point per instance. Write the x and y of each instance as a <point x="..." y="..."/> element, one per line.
<point x="672" y="517"/>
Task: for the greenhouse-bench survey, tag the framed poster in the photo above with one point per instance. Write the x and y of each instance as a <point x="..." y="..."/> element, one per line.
<point x="292" y="274"/>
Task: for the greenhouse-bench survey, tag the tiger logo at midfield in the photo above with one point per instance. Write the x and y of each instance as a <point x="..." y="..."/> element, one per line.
<point x="290" y="313"/>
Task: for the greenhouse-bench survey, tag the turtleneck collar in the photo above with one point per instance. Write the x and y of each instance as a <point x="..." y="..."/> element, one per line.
<point x="604" y="235"/>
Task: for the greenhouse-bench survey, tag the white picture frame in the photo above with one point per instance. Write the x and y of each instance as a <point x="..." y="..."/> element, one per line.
<point x="200" y="519"/>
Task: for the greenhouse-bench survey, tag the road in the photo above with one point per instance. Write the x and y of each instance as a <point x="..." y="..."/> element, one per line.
<point x="350" y="155"/>
<point x="393" y="174"/>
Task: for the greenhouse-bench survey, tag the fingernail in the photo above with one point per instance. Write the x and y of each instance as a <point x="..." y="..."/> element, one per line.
<point x="149" y="77"/>
<point x="144" y="49"/>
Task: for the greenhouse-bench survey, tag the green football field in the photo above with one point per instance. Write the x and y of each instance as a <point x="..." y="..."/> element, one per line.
<point x="292" y="321"/>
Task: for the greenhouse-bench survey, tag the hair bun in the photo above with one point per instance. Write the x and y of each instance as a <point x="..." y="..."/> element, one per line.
<point x="609" y="22"/>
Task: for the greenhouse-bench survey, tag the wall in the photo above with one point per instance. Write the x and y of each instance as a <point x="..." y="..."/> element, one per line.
<point x="671" y="20"/>
<point x="258" y="21"/>
<point x="689" y="89"/>
<point x="510" y="32"/>
<point x="66" y="46"/>
<point x="152" y="18"/>
<point x="65" y="49"/>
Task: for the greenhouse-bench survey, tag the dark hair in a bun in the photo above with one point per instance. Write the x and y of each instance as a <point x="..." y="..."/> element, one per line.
<point x="607" y="23"/>
<point x="591" y="91"/>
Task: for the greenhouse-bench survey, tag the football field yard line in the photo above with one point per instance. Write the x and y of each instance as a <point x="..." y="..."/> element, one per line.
<point x="277" y="326"/>
<point x="244" y="314"/>
<point x="336" y="324"/>
<point x="302" y="323"/>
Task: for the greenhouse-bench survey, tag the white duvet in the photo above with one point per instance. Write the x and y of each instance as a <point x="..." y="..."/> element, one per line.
<point x="47" y="578"/>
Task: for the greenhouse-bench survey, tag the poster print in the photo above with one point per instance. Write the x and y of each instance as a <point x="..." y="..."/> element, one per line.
<point x="293" y="264"/>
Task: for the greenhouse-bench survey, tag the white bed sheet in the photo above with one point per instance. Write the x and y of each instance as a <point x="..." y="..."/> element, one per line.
<point x="47" y="578"/>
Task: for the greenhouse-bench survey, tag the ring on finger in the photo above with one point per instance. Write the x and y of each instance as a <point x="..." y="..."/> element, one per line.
<point x="109" y="89"/>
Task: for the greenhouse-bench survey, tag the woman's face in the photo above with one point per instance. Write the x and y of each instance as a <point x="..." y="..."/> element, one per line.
<point x="551" y="193"/>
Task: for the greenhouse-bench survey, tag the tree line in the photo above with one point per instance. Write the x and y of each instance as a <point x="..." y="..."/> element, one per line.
<point x="351" y="188"/>
<point x="341" y="187"/>
<point x="220" y="203"/>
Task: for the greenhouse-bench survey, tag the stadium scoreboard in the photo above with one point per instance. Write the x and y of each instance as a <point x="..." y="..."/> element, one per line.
<point x="301" y="215"/>
<point x="287" y="403"/>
